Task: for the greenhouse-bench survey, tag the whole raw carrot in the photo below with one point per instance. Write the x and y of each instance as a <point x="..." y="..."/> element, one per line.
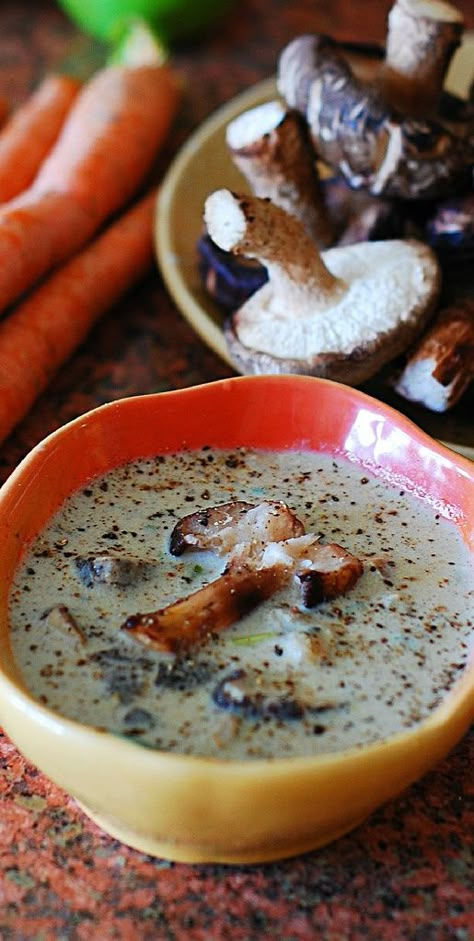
<point x="111" y="137"/>
<point x="4" y="109"/>
<point x="42" y="332"/>
<point x="30" y="132"/>
<point x="101" y="158"/>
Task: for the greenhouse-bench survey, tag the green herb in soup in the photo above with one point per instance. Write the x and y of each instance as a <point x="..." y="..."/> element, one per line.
<point x="243" y="604"/>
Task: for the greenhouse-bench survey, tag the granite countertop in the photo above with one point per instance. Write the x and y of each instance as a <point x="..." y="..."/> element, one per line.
<point x="407" y="872"/>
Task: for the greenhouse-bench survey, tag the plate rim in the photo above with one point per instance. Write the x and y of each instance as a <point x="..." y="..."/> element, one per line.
<point x="176" y="284"/>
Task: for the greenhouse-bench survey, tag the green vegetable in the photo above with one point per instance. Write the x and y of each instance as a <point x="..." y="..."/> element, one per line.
<point x="248" y="640"/>
<point x="172" y="19"/>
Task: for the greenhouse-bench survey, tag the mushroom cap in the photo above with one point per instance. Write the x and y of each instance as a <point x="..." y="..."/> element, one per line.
<point x="392" y="288"/>
<point x="373" y="145"/>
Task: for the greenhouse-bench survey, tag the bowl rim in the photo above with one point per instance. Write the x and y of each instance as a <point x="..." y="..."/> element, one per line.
<point x="460" y="697"/>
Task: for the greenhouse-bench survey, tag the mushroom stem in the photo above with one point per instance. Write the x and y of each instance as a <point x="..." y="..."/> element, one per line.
<point x="421" y="39"/>
<point x="257" y="228"/>
<point x="271" y="147"/>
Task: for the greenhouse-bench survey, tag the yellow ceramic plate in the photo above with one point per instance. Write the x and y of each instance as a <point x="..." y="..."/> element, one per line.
<point x="203" y="165"/>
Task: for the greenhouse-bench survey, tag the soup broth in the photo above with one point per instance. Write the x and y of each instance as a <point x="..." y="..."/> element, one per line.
<point x="285" y="679"/>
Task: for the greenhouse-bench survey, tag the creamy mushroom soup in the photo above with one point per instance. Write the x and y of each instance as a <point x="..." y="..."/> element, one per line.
<point x="285" y="679"/>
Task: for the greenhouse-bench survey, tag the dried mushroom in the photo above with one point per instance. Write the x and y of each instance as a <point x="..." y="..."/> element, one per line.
<point x="341" y="315"/>
<point x="387" y="137"/>
<point x="441" y="367"/>
<point x="270" y="145"/>
<point x="422" y="36"/>
<point x="228" y="280"/>
<point x="450" y="229"/>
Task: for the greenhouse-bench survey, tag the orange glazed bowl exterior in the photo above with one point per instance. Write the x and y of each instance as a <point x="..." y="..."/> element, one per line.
<point x="196" y="809"/>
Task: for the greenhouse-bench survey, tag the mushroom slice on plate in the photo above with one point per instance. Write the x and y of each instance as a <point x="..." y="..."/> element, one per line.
<point x="342" y="314"/>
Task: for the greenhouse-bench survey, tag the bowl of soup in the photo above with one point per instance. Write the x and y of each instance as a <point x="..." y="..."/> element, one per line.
<point x="236" y="618"/>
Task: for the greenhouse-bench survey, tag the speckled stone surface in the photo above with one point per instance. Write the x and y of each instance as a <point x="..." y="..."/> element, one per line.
<point x="408" y="872"/>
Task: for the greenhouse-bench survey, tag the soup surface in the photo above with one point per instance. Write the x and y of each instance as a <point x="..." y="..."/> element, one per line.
<point x="282" y="680"/>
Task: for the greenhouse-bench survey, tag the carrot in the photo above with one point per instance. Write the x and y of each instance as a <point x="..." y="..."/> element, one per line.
<point x="31" y="131"/>
<point x="4" y="109"/>
<point x="43" y="331"/>
<point x="101" y="158"/>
